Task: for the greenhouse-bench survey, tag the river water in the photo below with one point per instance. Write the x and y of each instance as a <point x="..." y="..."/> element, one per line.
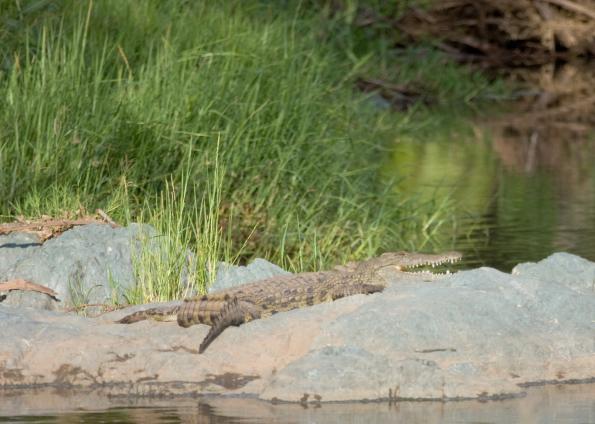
<point x="522" y="179"/>
<point x="563" y="404"/>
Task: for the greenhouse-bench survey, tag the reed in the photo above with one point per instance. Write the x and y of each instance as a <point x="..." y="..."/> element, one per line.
<point x="230" y="127"/>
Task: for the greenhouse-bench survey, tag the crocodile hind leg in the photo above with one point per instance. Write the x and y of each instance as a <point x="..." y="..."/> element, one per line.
<point x="233" y="313"/>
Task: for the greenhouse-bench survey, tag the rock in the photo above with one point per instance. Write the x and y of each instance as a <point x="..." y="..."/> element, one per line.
<point x="87" y="264"/>
<point x="576" y="272"/>
<point x="477" y="334"/>
<point x="231" y="275"/>
<point x="15" y="247"/>
<point x="92" y="264"/>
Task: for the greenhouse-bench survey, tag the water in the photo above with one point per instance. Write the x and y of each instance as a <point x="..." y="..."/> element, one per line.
<point x="504" y="215"/>
<point x="547" y="404"/>
<point x="522" y="181"/>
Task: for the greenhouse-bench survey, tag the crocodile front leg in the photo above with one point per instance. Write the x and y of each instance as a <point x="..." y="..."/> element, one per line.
<point x="352" y="289"/>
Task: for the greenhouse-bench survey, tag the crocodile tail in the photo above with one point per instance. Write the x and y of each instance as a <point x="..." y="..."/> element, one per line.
<point x="168" y="313"/>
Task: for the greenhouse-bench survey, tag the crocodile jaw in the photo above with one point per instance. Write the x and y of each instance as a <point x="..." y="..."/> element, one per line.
<point x="405" y="261"/>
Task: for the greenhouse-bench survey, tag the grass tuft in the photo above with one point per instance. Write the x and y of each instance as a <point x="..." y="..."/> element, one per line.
<point x="229" y="126"/>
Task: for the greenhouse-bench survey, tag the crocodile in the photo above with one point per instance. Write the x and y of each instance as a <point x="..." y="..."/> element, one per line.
<point x="263" y="298"/>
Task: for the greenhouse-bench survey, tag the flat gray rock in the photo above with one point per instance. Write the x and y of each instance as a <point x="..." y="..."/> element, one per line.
<point x="87" y="264"/>
<point x="15" y="247"/>
<point x="576" y="272"/>
<point x="477" y="334"/>
<point x="92" y="264"/>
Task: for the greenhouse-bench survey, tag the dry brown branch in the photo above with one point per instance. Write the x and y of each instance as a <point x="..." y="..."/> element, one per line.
<point x="506" y="32"/>
<point x="106" y="218"/>
<point x="20" y="284"/>
<point x="47" y="227"/>
<point x="399" y="96"/>
<point x="553" y="111"/>
<point x="572" y="6"/>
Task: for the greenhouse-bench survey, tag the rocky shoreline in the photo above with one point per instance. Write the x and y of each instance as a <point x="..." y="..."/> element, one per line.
<point x="478" y="334"/>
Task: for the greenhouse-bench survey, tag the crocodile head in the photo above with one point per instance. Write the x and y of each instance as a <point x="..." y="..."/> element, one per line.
<point x="406" y="261"/>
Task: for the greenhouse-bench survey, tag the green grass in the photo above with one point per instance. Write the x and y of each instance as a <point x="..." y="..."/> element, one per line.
<point x="232" y="127"/>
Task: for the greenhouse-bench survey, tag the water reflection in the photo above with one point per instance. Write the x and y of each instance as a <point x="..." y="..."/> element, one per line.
<point x="523" y="182"/>
<point x="549" y="404"/>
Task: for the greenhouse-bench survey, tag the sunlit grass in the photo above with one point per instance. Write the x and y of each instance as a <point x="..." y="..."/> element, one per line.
<point x="230" y="127"/>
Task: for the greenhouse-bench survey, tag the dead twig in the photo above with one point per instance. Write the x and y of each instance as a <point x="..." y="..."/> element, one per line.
<point x="20" y="284"/>
<point x="106" y="218"/>
<point x="46" y="227"/>
<point x="506" y="32"/>
<point x="552" y="112"/>
<point x="572" y="6"/>
<point x="400" y="97"/>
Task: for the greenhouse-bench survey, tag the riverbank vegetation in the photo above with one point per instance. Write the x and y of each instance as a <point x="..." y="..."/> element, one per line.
<point x="236" y="128"/>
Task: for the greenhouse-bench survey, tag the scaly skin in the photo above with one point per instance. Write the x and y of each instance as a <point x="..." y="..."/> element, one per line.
<point x="267" y="297"/>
